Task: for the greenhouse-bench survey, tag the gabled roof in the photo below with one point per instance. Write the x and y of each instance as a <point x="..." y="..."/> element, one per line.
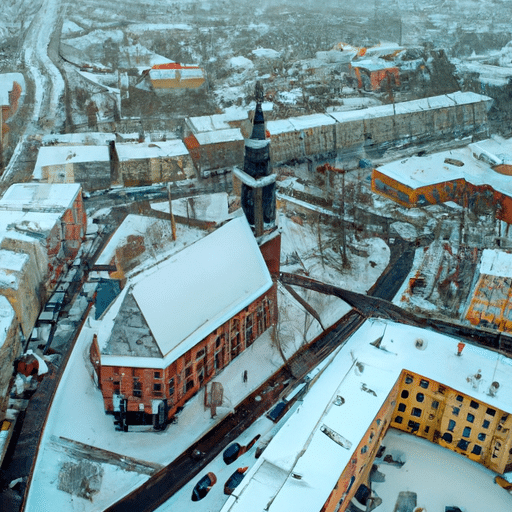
<point x="188" y="296"/>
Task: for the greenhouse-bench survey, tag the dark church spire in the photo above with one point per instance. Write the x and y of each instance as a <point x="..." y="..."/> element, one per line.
<point x="258" y="128"/>
<point x="258" y="193"/>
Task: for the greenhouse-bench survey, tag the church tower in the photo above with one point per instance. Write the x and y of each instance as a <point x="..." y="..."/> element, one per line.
<point x="258" y="192"/>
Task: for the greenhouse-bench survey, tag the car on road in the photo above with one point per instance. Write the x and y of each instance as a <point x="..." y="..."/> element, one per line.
<point x="202" y="488"/>
<point x="235" y="450"/>
<point x="234" y="480"/>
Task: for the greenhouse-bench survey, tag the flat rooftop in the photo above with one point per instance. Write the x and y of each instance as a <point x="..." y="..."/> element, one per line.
<point x="39" y="197"/>
<point x="458" y="164"/>
<point x="301" y="465"/>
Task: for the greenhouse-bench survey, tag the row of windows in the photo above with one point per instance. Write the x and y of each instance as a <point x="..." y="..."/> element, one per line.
<point x="416" y="411"/>
<point x="463" y="444"/>
<point x="262" y="322"/>
<point x="409" y="379"/>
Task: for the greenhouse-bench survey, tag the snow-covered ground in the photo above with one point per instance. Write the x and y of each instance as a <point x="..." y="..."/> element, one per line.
<point x="438" y="476"/>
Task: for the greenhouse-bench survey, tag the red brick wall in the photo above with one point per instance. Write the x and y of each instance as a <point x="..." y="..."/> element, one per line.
<point x="271" y="252"/>
<point x="185" y="376"/>
<point x="64" y="240"/>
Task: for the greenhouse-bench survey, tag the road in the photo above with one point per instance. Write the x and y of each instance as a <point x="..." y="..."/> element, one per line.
<point x="47" y="85"/>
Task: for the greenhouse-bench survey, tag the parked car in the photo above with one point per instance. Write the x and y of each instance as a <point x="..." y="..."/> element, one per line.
<point x="202" y="488"/>
<point x="234" y="480"/>
<point x="231" y="453"/>
<point x="235" y="450"/>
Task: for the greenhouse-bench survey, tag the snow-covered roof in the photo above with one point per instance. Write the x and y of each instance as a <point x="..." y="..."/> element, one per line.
<point x="7" y="316"/>
<point x="421" y="171"/>
<point x="200" y="124"/>
<point x="373" y="64"/>
<point x="6" y="84"/>
<point x="300" y="467"/>
<point x="175" y="297"/>
<point x="61" y="155"/>
<point x="496" y="263"/>
<point x="13" y="261"/>
<point x="162" y="149"/>
<point x="405" y="107"/>
<point x="182" y="72"/>
<point x="299" y="123"/>
<point x="39" y="196"/>
<point x="33" y="224"/>
<point x="214" y="137"/>
<point x="492" y="75"/>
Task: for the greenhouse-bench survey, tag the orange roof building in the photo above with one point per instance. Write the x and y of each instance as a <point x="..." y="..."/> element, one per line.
<point x="176" y="76"/>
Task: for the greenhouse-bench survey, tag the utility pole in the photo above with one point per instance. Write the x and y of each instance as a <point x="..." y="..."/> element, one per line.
<point x="325" y="169"/>
<point x="173" y="223"/>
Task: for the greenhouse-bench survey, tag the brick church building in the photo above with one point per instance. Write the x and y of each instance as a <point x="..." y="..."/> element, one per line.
<point x="174" y="327"/>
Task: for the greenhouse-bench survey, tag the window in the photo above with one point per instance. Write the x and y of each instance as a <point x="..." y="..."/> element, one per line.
<point x="451" y="425"/>
<point x="364" y="449"/>
<point x="427" y="428"/>
<point x="157" y="389"/>
<point x="481" y="436"/>
<point x="466" y="432"/>
<point x="409" y="379"/>
<point x="248" y="330"/>
<point x="490" y="412"/>
<point x="200" y="353"/>
<point x="441" y="389"/>
<point x="416" y="412"/>
<point x="470" y="418"/>
<point x="463" y="445"/>
<point x="171" y="387"/>
<point x="455" y="411"/>
<point x="137" y="387"/>
<point x="460" y="398"/>
<point x="420" y="397"/>
<point x="188" y="371"/>
<point x="399" y="419"/>
<point x="189" y="385"/>
<point x="117" y="387"/>
<point x="474" y="405"/>
<point x="157" y="375"/>
<point x="401" y="407"/>
<point x="217" y="342"/>
<point x="477" y="450"/>
<point x="218" y="360"/>
<point x="413" y="425"/>
<point x="435" y="404"/>
<point x="405" y="394"/>
<point x="486" y="424"/>
<point x="424" y="383"/>
<point x="447" y="437"/>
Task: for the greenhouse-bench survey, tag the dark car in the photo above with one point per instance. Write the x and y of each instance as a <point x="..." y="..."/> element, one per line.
<point x="234" y="480"/>
<point x="231" y="453"/>
<point x="202" y="488"/>
<point x="235" y="450"/>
